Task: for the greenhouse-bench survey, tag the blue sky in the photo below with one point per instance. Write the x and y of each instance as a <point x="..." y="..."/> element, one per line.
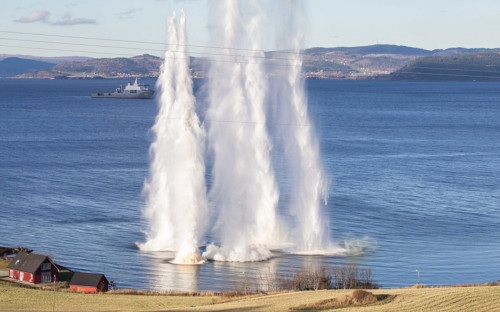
<point x="425" y="24"/>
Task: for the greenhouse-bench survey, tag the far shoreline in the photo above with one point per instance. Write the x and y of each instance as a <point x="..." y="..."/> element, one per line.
<point x="384" y="78"/>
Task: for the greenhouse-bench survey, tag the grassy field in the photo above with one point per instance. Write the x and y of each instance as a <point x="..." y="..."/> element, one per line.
<point x="422" y="299"/>
<point x="482" y="298"/>
<point x="15" y="298"/>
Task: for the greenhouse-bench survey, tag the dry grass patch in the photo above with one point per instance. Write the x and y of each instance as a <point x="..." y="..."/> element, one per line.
<point x="357" y="298"/>
<point x="418" y="286"/>
<point x="161" y="293"/>
<point x="445" y="299"/>
<point x="451" y="299"/>
<point x="471" y="285"/>
<point x="4" y="263"/>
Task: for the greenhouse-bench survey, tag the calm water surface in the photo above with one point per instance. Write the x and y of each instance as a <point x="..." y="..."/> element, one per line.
<point x="414" y="166"/>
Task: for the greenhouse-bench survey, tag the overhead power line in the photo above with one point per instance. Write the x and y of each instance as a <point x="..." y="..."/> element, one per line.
<point x="143" y="42"/>
<point x="131" y="55"/>
<point x="239" y="62"/>
<point x="148" y="49"/>
<point x="64" y="50"/>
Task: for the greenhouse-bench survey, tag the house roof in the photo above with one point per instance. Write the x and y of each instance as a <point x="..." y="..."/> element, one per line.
<point x="87" y="279"/>
<point x="27" y="262"/>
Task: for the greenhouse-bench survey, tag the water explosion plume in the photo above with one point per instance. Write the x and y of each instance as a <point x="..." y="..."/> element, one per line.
<point x="244" y="190"/>
<point x="309" y="187"/>
<point x="176" y="202"/>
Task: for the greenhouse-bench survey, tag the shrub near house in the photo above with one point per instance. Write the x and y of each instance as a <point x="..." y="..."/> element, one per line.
<point x="32" y="268"/>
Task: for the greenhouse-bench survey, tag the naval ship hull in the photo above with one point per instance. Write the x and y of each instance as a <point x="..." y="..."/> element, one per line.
<point x="115" y="95"/>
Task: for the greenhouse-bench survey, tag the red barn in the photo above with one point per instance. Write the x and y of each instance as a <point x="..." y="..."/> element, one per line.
<point x="33" y="268"/>
<point x="89" y="282"/>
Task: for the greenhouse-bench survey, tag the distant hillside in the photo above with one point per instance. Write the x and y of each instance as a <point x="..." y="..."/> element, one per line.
<point x="143" y="65"/>
<point x="366" y="62"/>
<point x="325" y="63"/>
<point x="457" y="51"/>
<point x="352" y="62"/>
<point x="13" y="66"/>
<point x="465" y="67"/>
<point x="372" y="49"/>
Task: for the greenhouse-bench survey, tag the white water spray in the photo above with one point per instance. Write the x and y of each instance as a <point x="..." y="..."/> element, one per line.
<point x="309" y="187"/>
<point x="244" y="191"/>
<point x="176" y="204"/>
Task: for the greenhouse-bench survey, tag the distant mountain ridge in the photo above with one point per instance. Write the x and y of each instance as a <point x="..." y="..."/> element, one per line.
<point x="366" y="62"/>
<point x="141" y="65"/>
<point x="465" y="67"/>
<point x="48" y="59"/>
<point x="373" y="49"/>
<point x="369" y="62"/>
<point x="458" y="51"/>
<point x="13" y="66"/>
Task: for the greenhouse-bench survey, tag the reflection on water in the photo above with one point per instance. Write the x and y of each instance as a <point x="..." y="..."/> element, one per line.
<point x="164" y="275"/>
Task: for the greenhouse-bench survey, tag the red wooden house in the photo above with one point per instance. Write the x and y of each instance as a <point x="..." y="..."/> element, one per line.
<point x="89" y="282"/>
<point x="33" y="268"/>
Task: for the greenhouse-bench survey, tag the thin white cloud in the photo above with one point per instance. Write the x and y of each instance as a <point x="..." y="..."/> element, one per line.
<point x="129" y="13"/>
<point x="35" y="16"/>
<point x="67" y="20"/>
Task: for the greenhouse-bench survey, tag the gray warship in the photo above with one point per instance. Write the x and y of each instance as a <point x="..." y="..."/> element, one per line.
<point x="131" y="91"/>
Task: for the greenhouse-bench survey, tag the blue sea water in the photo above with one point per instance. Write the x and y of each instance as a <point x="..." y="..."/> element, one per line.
<point x="414" y="166"/>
